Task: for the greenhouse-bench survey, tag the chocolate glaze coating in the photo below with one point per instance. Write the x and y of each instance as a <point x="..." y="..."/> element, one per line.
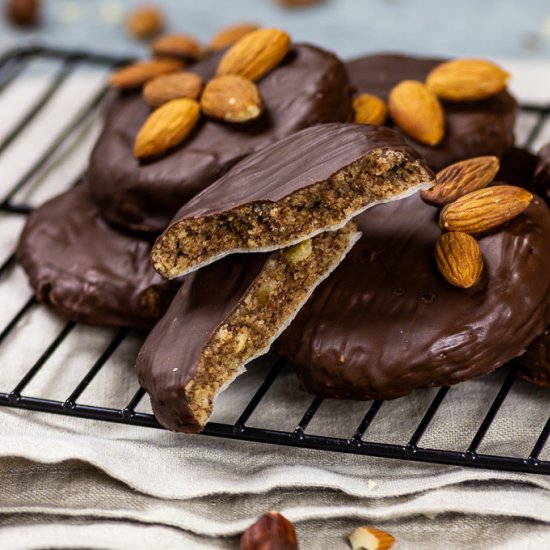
<point x="517" y="167"/>
<point x="281" y="169"/>
<point x="385" y="322"/>
<point x="86" y="270"/>
<point x="472" y="128"/>
<point x="534" y="364"/>
<point x="168" y="359"/>
<point x="309" y="87"/>
<point x="542" y="172"/>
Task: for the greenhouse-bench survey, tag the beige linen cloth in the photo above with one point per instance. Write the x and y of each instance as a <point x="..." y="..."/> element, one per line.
<point x="74" y="483"/>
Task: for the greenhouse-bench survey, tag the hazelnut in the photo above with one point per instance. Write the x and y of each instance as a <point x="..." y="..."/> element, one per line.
<point x="23" y="13"/>
<point x="272" y="531"/>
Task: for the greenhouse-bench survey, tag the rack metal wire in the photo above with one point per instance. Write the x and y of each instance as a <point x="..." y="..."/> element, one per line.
<point x="11" y="66"/>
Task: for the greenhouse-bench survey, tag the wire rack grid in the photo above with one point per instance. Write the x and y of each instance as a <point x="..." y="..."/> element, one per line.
<point x="11" y="66"/>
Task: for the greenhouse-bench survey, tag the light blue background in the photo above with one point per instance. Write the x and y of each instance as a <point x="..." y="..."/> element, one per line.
<point x="496" y="28"/>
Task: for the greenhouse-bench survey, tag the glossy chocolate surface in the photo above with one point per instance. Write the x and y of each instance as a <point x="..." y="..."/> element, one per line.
<point x="294" y="163"/>
<point x="472" y="129"/>
<point x="385" y="322"/>
<point x="309" y="87"/>
<point x="170" y="355"/>
<point x="86" y="270"/>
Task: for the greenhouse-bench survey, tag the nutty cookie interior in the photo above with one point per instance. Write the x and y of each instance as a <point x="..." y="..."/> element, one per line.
<point x="284" y="284"/>
<point x="378" y="176"/>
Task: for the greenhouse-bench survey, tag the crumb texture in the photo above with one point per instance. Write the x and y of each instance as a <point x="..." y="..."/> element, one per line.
<point x="380" y="175"/>
<point x="271" y="302"/>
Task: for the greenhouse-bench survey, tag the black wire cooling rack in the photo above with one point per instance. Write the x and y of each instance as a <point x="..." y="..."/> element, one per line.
<point x="11" y="66"/>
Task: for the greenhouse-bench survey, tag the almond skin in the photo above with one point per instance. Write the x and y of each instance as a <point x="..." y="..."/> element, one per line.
<point x="145" y="22"/>
<point x="23" y="13"/>
<point x="177" y="46"/>
<point x="255" y="54"/>
<point x="459" y="259"/>
<point x="467" y="80"/>
<point x="417" y="112"/>
<point x="484" y="209"/>
<point x="166" y="127"/>
<point x="136" y="75"/>
<point x="167" y="87"/>
<point x="231" y="98"/>
<point x="229" y="35"/>
<point x="272" y="531"/>
<point x="461" y="178"/>
<point x="368" y="538"/>
<point x="369" y="109"/>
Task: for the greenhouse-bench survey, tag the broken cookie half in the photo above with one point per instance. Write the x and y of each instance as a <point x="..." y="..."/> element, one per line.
<point x="226" y="315"/>
<point x="306" y="184"/>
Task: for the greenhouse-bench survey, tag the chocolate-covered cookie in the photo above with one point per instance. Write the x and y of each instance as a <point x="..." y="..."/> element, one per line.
<point x="225" y="315"/>
<point x="386" y="322"/>
<point x="517" y="167"/>
<point x="313" y="181"/>
<point x="86" y="270"/>
<point x="472" y="128"/>
<point x="309" y="87"/>
<point x="542" y="172"/>
<point x="534" y="364"/>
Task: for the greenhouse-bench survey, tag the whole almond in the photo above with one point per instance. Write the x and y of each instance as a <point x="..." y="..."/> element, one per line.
<point x="369" y="109"/>
<point x="23" y="13"/>
<point x="417" y="111"/>
<point x="229" y="35"/>
<point x="231" y="98"/>
<point x="178" y="46"/>
<point x="167" y="87"/>
<point x="459" y="259"/>
<point x="484" y="209"/>
<point x="145" y="22"/>
<point x="255" y="54"/>
<point x="467" y="80"/>
<point x="166" y="127"/>
<point x="461" y="178"/>
<point x="272" y="531"/>
<point x="137" y="74"/>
